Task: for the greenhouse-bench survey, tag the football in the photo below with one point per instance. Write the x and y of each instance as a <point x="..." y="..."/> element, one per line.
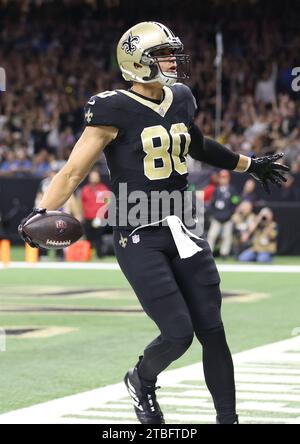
<point x="53" y="230"/>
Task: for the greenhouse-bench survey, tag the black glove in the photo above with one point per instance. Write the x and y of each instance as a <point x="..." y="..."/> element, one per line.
<point x="23" y="235"/>
<point x="265" y="168"/>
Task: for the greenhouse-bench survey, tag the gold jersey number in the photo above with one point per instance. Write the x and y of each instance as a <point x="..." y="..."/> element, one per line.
<point x="159" y="162"/>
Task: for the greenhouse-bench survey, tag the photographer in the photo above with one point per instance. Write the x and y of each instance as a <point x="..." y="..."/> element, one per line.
<point x="243" y="219"/>
<point x="262" y="235"/>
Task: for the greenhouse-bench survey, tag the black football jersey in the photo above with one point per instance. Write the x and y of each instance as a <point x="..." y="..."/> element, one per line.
<point x="149" y="152"/>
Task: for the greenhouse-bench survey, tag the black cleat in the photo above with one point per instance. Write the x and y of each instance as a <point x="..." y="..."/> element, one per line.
<point x="233" y="420"/>
<point x="144" y="398"/>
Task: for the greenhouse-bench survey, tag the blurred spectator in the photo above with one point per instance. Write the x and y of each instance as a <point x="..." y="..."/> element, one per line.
<point x="262" y="234"/>
<point x="243" y="218"/>
<point x="95" y="198"/>
<point x="265" y="91"/>
<point x="221" y="209"/>
<point x="41" y="165"/>
<point x="54" y="65"/>
<point x="21" y="166"/>
<point x="209" y="189"/>
<point x="248" y="192"/>
<point x="6" y="167"/>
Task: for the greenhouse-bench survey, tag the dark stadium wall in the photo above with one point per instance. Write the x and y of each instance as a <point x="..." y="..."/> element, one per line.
<point x="17" y="198"/>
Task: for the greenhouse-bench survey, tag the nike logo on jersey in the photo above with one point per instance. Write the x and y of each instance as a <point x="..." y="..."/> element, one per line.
<point x="92" y="102"/>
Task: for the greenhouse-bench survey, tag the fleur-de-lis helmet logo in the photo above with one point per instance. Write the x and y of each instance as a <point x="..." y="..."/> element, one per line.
<point x="129" y="44"/>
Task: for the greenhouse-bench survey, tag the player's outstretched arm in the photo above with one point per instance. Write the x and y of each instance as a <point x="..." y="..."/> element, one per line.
<point x="263" y="169"/>
<point x="85" y="153"/>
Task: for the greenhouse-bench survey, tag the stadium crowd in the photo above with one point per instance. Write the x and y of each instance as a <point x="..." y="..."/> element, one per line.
<point x="56" y="58"/>
<point x="57" y="54"/>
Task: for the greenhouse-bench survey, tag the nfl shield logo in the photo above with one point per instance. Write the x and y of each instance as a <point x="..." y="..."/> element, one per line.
<point x="136" y="239"/>
<point x="61" y="226"/>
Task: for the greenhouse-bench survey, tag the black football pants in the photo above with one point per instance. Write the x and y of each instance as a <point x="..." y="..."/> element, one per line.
<point x="183" y="298"/>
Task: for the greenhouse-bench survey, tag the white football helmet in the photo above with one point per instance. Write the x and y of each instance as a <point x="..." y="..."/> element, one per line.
<point x="139" y="49"/>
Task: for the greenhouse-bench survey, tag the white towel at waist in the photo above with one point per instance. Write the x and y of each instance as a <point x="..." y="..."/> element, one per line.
<point x="181" y="235"/>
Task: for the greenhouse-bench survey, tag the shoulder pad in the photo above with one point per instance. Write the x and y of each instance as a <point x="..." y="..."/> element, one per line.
<point x="101" y="109"/>
<point x="185" y="94"/>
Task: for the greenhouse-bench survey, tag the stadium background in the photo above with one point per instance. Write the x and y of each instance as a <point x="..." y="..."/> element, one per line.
<point x="58" y="54"/>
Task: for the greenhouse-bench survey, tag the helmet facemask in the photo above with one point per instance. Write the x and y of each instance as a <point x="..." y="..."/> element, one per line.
<point x="154" y="56"/>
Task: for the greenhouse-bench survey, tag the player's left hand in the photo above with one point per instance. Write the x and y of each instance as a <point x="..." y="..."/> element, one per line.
<point x="23" y="236"/>
<point x="264" y="169"/>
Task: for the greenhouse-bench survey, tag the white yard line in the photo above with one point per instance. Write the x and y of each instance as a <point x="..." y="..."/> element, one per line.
<point x="277" y="399"/>
<point x="62" y="266"/>
<point x="231" y="268"/>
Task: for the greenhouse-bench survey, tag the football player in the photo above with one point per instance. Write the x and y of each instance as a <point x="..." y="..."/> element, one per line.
<point x="146" y="133"/>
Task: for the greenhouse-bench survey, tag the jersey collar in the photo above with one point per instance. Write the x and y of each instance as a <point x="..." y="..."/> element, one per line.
<point x="161" y="108"/>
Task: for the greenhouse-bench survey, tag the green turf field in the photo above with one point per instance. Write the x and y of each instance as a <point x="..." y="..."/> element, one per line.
<point x="106" y="338"/>
<point x="18" y="254"/>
